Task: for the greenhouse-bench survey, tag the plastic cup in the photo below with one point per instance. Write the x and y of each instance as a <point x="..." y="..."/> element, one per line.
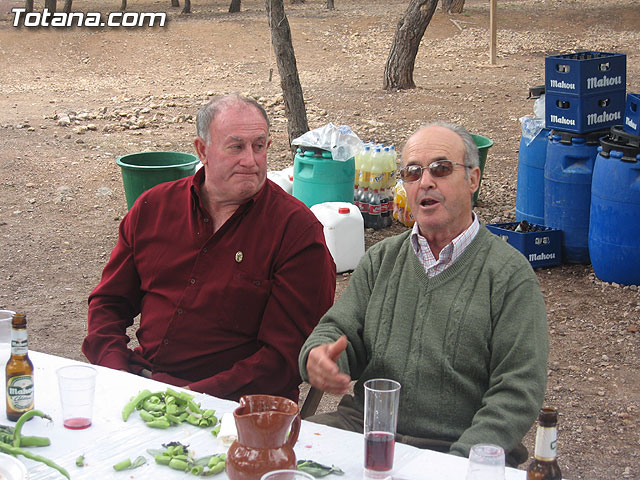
<point x="77" y="385"/>
<point x="381" y="399"/>
<point x="286" y="475"/>
<point x="5" y="335"/>
<point x="486" y="462"/>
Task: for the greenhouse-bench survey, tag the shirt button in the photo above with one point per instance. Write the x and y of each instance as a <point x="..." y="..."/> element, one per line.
<point x="180" y="311"/>
<point x="206" y="220"/>
<point x="204" y="250"/>
<point x="193" y="280"/>
<point x="165" y="341"/>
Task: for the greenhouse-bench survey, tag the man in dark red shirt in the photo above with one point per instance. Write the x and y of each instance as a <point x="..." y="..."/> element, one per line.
<point x="229" y="273"/>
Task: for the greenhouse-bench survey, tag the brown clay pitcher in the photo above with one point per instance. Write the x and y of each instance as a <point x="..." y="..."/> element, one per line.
<point x="262" y="422"/>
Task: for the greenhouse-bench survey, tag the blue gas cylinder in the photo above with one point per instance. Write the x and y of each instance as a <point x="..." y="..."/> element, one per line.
<point x="614" y="226"/>
<point x="567" y="183"/>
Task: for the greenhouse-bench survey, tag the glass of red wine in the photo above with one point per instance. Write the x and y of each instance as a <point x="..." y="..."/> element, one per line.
<point x="381" y="399"/>
<point x="77" y="384"/>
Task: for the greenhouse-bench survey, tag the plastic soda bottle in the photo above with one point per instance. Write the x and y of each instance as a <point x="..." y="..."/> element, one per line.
<point x="377" y="169"/>
<point x="365" y="168"/>
<point x="375" y="210"/>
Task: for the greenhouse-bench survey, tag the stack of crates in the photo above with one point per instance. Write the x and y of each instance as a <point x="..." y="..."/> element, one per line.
<point x="585" y="97"/>
<point x="585" y="91"/>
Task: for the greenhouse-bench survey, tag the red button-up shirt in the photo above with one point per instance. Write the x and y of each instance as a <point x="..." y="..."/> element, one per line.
<point x="225" y="313"/>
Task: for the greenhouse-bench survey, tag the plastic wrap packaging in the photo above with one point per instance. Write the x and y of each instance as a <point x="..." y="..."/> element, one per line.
<point x="340" y="141"/>
<point x="532" y="125"/>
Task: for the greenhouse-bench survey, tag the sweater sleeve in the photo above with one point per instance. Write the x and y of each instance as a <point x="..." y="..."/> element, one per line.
<point x="518" y="366"/>
<point x="346" y="317"/>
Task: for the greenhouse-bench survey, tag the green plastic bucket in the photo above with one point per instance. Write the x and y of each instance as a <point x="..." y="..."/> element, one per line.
<point x="483" y="144"/>
<point x="318" y="178"/>
<point x="141" y="171"/>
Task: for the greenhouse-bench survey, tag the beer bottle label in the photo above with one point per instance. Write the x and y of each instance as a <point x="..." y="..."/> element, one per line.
<point x="546" y="443"/>
<point x="20" y="392"/>
<point x="19" y="344"/>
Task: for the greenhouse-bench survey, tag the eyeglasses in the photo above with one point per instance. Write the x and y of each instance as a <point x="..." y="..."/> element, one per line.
<point x="439" y="168"/>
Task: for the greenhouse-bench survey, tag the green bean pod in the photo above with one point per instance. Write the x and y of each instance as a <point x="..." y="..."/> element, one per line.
<point x="217" y="468"/>
<point x="178" y="464"/>
<point x="162" y="459"/>
<point x="133" y="403"/>
<point x="15" y="451"/>
<point x="197" y="470"/>
<point x="146" y="416"/>
<point x="123" y="465"/>
<point x="23" y="418"/>
<point x="159" y="423"/>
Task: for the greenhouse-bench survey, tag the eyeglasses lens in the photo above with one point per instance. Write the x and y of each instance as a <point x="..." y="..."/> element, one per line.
<point x="441" y="168"/>
<point x="413" y="173"/>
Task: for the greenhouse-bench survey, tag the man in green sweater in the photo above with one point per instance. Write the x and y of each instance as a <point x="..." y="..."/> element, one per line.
<point x="452" y="312"/>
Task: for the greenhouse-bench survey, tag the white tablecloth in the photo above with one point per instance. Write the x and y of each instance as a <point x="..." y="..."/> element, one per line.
<point x="110" y="440"/>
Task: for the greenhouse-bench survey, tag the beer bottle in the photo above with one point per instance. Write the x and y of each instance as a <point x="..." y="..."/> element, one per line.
<point x="19" y="371"/>
<point x="544" y="465"/>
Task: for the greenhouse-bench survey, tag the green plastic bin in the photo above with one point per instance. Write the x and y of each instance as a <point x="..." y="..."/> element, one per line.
<point x="483" y="144"/>
<point x="141" y="171"/>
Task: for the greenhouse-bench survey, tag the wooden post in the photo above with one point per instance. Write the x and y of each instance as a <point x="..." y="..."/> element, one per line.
<point x="493" y="29"/>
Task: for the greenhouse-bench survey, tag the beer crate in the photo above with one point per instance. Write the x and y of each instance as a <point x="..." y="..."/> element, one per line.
<point x="631" y="122"/>
<point x="542" y="248"/>
<point x="584" y="113"/>
<point x="585" y="73"/>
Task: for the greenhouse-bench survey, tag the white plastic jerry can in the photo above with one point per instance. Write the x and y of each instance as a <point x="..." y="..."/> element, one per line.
<point x="343" y="232"/>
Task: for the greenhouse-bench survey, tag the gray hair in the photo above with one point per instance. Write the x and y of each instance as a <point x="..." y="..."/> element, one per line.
<point x="209" y="111"/>
<point x="471" y="157"/>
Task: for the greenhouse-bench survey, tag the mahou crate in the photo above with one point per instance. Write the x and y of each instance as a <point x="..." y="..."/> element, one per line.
<point x="585" y="73"/>
<point x="542" y="247"/>
<point x="631" y="122"/>
<point x="586" y="113"/>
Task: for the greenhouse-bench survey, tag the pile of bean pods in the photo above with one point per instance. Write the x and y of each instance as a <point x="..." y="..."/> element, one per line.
<point x="163" y="409"/>
<point x="13" y="443"/>
<point x="177" y="456"/>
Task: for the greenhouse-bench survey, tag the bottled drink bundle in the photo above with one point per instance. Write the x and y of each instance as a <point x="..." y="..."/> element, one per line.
<point x="375" y="179"/>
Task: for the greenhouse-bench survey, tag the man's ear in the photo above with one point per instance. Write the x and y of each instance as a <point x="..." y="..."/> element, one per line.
<point x="201" y="149"/>
<point x="474" y="179"/>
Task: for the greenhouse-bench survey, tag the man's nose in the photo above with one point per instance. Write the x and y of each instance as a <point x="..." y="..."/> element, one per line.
<point x="427" y="180"/>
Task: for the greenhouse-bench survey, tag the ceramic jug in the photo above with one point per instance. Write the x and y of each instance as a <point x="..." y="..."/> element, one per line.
<point x="262" y="422"/>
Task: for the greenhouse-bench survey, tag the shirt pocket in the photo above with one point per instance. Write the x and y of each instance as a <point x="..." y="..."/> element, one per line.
<point x="245" y="299"/>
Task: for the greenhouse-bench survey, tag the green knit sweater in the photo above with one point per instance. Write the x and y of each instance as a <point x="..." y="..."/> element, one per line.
<point x="469" y="346"/>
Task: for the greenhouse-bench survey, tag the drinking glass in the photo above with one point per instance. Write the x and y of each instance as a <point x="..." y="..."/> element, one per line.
<point x="5" y="335"/>
<point x="286" y="475"/>
<point x="486" y="462"/>
<point x="381" y="399"/>
<point x="77" y="386"/>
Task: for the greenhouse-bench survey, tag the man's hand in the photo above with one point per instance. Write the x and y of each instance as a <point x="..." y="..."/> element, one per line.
<point x="323" y="370"/>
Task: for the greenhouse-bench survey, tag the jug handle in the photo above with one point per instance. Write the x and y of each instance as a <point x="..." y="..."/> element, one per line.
<point x="294" y="432"/>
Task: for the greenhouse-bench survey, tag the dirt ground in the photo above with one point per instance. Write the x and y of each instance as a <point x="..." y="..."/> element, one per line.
<point x="72" y="100"/>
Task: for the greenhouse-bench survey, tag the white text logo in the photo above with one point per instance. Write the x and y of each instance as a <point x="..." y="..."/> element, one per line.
<point x="89" y="19"/>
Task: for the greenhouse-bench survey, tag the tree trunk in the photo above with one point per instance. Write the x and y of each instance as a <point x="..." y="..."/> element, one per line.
<point x="123" y="5"/>
<point x="398" y="73"/>
<point x="452" y="6"/>
<point x="330" y="5"/>
<point x="234" y="6"/>
<point x="67" y="6"/>
<point x="294" y="107"/>
<point x="187" y="6"/>
<point x="175" y="3"/>
<point x="50" y="5"/>
<point x="28" y="6"/>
